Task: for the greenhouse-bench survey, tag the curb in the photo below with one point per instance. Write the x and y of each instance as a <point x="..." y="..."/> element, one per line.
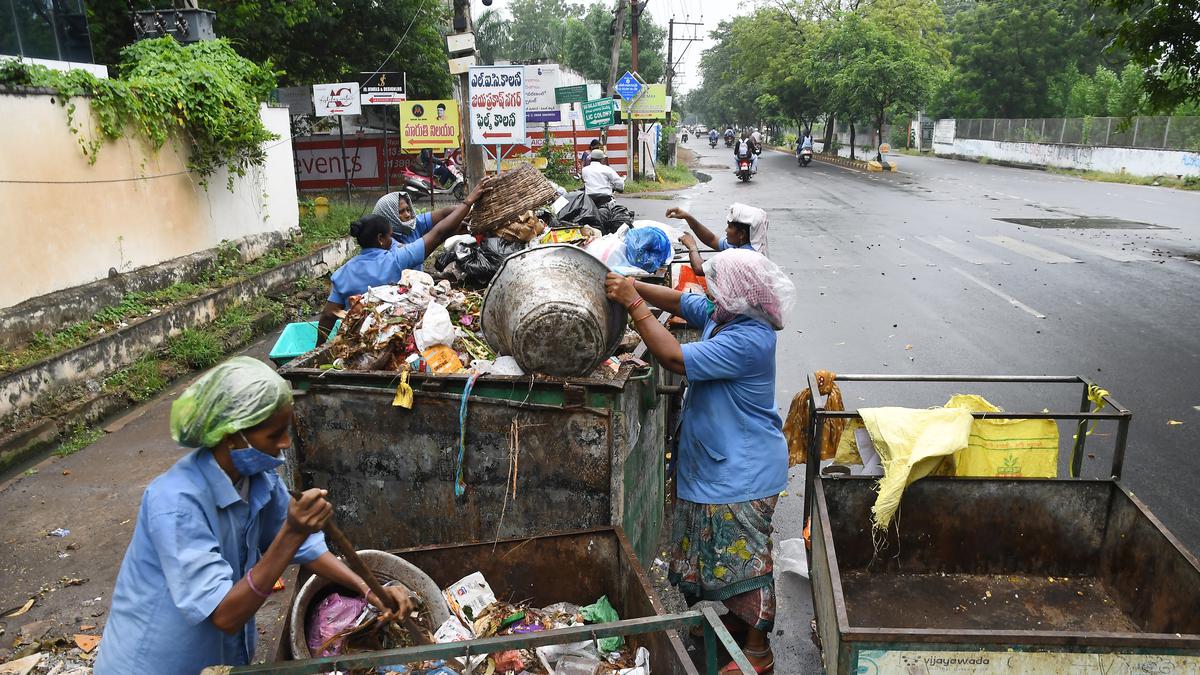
<point x="46" y="434"/>
<point x="21" y="389"/>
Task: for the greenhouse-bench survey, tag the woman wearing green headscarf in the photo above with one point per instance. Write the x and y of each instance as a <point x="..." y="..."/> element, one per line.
<point x="216" y="530"/>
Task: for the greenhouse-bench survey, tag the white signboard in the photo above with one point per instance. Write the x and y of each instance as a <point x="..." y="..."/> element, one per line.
<point x="461" y="65"/>
<point x="460" y="42"/>
<point x="380" y="96"/>
<point x="340" y="98"/>
<point x="497" y="104"/>
<point x="540" y="81"/>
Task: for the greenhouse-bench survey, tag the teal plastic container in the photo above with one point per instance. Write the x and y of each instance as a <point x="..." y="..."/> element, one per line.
<point x="296" y="339"/>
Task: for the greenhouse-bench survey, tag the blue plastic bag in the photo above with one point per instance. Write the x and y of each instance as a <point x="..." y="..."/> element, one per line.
<point x="647" y="248"/>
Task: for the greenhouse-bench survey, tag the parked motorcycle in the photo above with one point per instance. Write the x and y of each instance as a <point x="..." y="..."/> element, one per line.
<point x="419" y="186"/>
<point x="743" y="169"/>
<point x="804" y="156"/>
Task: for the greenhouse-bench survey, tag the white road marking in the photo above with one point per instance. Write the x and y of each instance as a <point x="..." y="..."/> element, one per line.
<point x="962" y="251"/>
<point x="1104" y="252"/>
<point x="1029" y="250"/>
<point x="1001" y="294"/>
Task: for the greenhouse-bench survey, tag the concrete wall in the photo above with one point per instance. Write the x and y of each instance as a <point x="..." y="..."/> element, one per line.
<point x="65" y="222"/>
<point x="1135" y="161"/>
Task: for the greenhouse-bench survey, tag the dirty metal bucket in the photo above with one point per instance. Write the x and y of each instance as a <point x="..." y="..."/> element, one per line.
<point x="387" y="567"/>
<point x="547" y="309"/>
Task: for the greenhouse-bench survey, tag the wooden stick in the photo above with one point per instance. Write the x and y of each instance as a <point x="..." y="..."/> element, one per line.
<point x="360" y="568"/>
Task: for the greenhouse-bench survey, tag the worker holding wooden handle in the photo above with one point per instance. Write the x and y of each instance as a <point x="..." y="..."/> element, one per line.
<point x="216" y="530"/>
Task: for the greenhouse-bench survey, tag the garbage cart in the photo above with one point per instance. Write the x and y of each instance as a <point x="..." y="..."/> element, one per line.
<point x="528" y="454"/>
<point x="1024" y="575"/>
<point x="576" y="567"/>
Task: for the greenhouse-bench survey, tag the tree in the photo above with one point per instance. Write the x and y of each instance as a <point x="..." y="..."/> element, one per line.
<point x="491" y="35"/>
<point x="882" y="73"/>
<point x="313" y="41"/>
<point x="1163" y="39"/>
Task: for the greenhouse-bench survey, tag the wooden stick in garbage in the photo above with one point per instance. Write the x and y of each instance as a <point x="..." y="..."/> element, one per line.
<point x="360" y="568"/>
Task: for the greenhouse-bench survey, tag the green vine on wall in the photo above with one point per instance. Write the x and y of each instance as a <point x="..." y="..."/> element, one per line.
<point x="205" y="93"/>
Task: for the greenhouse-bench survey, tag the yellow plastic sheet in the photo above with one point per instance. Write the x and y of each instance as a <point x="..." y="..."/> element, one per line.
<point x="1006" y="448"/>
<point x="912" y="444"/>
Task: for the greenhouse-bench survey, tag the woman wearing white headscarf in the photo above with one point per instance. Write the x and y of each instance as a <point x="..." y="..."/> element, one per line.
<point x="216" y="530"/>
<point x="745" y="227"/>
<point x="732" y="457"/>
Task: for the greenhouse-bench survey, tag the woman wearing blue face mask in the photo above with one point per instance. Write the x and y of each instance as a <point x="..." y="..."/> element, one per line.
<point x="216" y="530"/>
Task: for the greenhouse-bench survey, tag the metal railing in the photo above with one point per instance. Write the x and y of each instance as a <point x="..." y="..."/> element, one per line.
<point x="1156" y="133"/>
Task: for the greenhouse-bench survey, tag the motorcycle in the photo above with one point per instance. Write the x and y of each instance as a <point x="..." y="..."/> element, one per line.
<point x="804" y="156"/>
<point x="419" y="186"/>
<point x="743" y="169"/>
<point x="729" y="141"/>
<point x="685" y="137"/>
<point x="712" y="142"/>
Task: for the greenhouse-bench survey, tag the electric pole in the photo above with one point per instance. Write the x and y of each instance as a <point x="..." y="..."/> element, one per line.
<point x="635" y="15"/>
<point x="618" y="36"/>
<point x="472" y="154"/>
<point x="671" y="40"/>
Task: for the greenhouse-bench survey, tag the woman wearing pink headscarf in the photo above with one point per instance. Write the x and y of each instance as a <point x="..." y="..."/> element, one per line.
<point x="731" y="462"/>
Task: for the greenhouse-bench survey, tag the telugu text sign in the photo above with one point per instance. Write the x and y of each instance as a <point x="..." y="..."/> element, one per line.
<point x="598" y="113"/>
<point x="338" y="98"/>
<point x="540" y="81"/>
<point x="429" y="124"/>
<point x="575" y="93"/>
<point x="497" y="104"/>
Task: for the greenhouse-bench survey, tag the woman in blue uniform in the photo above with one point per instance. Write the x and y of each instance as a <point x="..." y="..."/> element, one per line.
<point x="216" y="530"/>
<point x="732" y="457"/>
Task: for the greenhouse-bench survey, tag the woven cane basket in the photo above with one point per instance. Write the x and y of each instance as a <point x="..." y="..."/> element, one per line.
<point x="512" y="193"/>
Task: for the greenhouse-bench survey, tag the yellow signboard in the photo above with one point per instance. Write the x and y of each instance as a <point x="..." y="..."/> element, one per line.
<point x="429" y="124"/>
<point x="651" y="106"/>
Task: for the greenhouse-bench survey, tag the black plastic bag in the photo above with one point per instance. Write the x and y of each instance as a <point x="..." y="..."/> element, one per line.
<point x="482" y="261"/>
<point x="580" y="210"/>
<point x="613" y="216"/>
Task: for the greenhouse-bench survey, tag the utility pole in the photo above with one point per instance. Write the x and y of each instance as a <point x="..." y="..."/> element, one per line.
<point x="635" y="15"/>
<point x="472" y="154"/>
<point x="671" y="40"/>
<point x="615" y="58"/>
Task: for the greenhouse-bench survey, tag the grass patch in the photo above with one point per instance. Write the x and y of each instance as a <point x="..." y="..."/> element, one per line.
<point x="138" y="381"/>
<point x="79" y="438"/>
<point x="669" y="178"/>
<point x="228" y="267"/>
<point x="1185" y="183"/>
<point x="196" y="348"/>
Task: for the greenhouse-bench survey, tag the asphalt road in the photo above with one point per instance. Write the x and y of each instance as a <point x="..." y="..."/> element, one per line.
<point x="913" y="273"/>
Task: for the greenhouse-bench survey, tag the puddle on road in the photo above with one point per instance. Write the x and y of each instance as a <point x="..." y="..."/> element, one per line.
<point x="1084" y="223"/>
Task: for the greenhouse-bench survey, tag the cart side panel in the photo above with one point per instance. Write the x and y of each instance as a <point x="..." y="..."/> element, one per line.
<point x="1155" y="581"/>
<point x="391" y="471"/>
<point x="638" y="472"/>
<point x="824" y="604"/>
<point x="972" y="526"/>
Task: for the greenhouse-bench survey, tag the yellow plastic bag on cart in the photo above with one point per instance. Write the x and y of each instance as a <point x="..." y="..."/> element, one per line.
<point x="912" y="444"/>
<point x="1006" y="448"/>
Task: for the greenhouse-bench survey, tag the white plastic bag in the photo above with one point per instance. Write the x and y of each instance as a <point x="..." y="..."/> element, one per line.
<point x="435" y="329"/>
<point x="673" y="233"/>
<point x="505" y="365"/>
<point x="790" y="557"/>
<point x="610" y="250"/>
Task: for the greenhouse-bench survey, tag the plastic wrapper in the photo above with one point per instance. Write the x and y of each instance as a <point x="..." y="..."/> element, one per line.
<point x="610" y="250"/>
<point x="602" y="611"/>
<point x="745" y="282"/>
<point x="647" y="248"/>
<point x="469" y="596"/>
<point x="436" y="328"/>
<point x="613" y="215"/>
<point x="673" y="233"/>
<point x="333" y="615"/>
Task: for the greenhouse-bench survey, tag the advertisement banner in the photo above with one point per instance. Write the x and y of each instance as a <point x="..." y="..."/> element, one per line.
<point x="429" y="124"/>
<point x="540" y="82"/>
<point x="497" y="108"/>
<point x="653" y="105"/>
<point x="339" y="98"/>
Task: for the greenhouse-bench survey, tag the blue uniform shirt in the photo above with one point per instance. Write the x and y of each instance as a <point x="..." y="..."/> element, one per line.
<point x="195" y="538"/>
<point x="731" y="444"/>
<point x="724" y="245"/>
<point x="423" y="225"/>
<point x="375" y="267"/>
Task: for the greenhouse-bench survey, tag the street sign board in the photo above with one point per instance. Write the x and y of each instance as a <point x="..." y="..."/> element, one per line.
<point x="652" y="105"/>
<point x="575" y="93"/>
<point x="429" y="124"/>
<point x="598" y="113"/>
<point x="299" y="100"/>
<point x="338" y="98"/>
<point x="497" y="104"/>
<point x="381" y="96"/>
<point x="460" y="42"/>
<point x="628" y="87"/>
<point x="540" y="82"/>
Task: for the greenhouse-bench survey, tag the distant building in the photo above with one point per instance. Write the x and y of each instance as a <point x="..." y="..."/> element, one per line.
<point x="54" y="30"/>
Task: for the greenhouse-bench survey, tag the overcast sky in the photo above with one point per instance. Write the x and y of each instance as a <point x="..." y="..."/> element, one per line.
<point x="708" y="12"/>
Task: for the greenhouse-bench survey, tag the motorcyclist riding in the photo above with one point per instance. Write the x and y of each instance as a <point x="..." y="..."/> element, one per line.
<point x="712" y="136"/>
<point x="749" y="149"/>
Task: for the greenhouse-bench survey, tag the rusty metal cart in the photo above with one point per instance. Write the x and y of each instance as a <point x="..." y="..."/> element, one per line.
<point x="982" y="575"/>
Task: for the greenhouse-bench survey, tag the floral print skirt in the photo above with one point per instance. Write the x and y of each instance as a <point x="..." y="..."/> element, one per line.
<point x="723" y="552"/>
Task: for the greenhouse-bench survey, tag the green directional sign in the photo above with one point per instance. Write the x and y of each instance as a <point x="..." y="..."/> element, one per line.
<point x="598" y="113"/>
<point x="575" y="93"/>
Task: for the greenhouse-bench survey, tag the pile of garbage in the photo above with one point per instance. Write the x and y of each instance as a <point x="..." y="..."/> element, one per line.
<point x="478" y="614"/>
<point x="416" y="325"/>
<point x="348" y="624"/>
